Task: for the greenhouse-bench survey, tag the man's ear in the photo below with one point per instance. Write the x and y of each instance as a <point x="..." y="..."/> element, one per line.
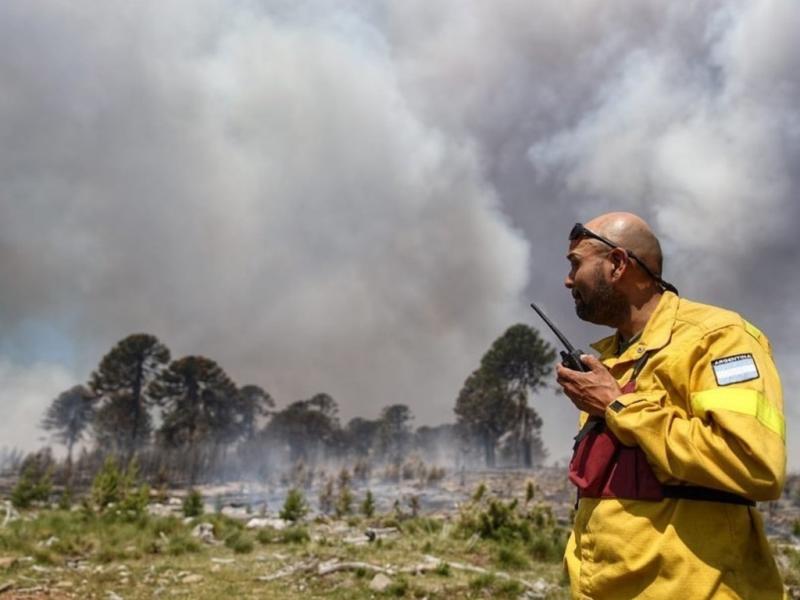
<point x="619" y="259"/>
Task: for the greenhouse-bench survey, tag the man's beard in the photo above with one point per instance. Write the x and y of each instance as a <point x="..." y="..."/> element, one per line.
<point x="603" y="305"/>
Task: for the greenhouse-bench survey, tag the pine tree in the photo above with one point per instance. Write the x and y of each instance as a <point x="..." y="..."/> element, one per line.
<point x="521" y="360"/>
<point x="69" y="415"/>
<point x="294" y="507"/>
<point x="308" y="427"/>
<point x="394" y="436"/>
<point x="200" y="406"/>
<point x="121" y="381"/>
<point x="253" y="402"/>
<point x="494" y="398"/>
<point x="368" y="506"/>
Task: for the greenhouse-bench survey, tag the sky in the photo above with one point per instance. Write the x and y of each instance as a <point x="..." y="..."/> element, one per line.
<point x="358" y="197"/>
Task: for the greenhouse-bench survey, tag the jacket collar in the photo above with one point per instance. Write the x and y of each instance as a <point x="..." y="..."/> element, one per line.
<point x="656" y="334"/>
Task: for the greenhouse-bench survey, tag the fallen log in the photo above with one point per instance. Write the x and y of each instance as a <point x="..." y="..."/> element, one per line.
<point x="437" y="562"/>
<point x="288" y="571"/>
<point x="329" y="567"/>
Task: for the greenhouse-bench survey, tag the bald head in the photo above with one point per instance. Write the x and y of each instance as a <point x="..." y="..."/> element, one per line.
<point x="631" y="232"/>
<point x="605" y="289"/>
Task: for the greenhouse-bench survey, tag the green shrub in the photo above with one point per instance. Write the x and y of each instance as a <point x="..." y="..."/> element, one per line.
<point x="107" y="485"/>
<point x="443" y="569"/>
<point x="414" y="505"/>
<point x="240" y="542"/>
<point x="436" y="475"/>
<point x="134" y="503"/>
<point x="166" y="525"/>
<point x="510" y="589"/>
<point x="344" y="502"/>
<point x="344" y="478"/>
<point x="368" y="505"/>
<point x="294" y="507"/>
<point x="426" y="525"/>
<point x="183" y="543"/>
<point x="530" y="491"/>
<point x="223" y="526"/>
<point x="479" y="492"/>
<point x="33" y="486"/>
<point x="267" y="535"/>
<point x="65" y="499"/>
<point x="483" y="581"/>
<point x="193" y="504"/>
<point x="547" y="546"/>
<point x="501" y="521"/>
<point x="326" y="497"/>
<point x="505" y="522"/>
<point x="398" y="588"/>
<point x="509" y="557"/>
<point x="296" y="535"/>
<point x="112" y="486"/>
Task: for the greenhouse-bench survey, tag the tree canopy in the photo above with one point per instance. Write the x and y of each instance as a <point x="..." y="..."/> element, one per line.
<point x="121" y="381"/>
<point x="69" y="415"/>
<point x="306" y="426"/>
<point x="494" y="399"/>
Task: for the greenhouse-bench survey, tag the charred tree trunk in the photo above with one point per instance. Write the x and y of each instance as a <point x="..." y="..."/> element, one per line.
<point x="136" y="409"/>
<point x="488" y="449"/>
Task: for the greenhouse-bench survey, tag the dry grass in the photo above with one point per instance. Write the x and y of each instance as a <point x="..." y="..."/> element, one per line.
<point x="79" y="555"/>
<point x="83" y="555"/>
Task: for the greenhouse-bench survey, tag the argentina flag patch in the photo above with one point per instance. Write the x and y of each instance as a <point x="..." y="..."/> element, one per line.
<point x="735" y="369"/>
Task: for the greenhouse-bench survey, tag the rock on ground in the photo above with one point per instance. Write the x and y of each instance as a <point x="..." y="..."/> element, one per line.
<point x="379" y="583"/>
<point x="205" y="531"/>
<point x="258" y="523"/>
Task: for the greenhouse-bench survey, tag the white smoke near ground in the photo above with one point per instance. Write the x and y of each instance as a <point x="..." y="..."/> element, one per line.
<point x="358" y="198"/>
<point x="28" y="391"/>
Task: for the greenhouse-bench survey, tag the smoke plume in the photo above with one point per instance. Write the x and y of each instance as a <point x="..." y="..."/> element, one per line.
<point x="358" y="199"/>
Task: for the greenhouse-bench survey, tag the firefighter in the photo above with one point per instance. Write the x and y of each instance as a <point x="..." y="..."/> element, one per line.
<point x="682" y="430"/>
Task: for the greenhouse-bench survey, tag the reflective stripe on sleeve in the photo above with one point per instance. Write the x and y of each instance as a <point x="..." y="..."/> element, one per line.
<point x="753" y="330"/>
<point x="747" y="402"/>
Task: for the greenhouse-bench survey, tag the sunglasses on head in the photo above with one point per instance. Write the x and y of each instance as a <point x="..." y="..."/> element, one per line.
<point x="579" y="231"/>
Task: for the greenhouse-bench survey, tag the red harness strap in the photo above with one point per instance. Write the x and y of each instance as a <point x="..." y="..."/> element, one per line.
<point x="602" y="467"/>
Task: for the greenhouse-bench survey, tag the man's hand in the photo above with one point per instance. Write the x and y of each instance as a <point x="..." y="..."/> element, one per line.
<point x="591" y="392"/>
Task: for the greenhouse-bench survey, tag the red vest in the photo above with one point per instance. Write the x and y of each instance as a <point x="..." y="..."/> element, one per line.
<point x="602" y="467"/>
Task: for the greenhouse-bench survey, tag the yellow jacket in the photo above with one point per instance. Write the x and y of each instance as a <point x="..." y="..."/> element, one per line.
<point x="707" y="411"/>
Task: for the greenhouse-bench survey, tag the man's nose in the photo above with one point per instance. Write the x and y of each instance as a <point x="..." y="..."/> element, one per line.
<point x="569" y="282"/>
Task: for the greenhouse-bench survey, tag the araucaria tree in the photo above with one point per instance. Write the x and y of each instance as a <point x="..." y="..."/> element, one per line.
<point x="201" y="408"/>
<point x="253" y="402"/>
<point x="308" y="427"/>
<point x="121" y="381"/>
<point x="394" y="435"/>
<point x="494" y="399"/>
<point x="485" y="411"/>
<point x="69" y="415"/>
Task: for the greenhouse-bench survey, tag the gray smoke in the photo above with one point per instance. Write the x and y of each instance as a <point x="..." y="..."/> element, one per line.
<point x="358" y="199"/>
